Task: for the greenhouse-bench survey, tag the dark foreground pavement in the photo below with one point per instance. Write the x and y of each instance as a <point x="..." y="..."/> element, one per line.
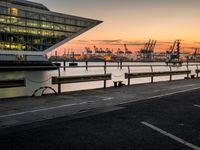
<point x="178" y="115"/>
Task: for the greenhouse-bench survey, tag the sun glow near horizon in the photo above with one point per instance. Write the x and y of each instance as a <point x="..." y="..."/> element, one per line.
<point x="133" y="21"/>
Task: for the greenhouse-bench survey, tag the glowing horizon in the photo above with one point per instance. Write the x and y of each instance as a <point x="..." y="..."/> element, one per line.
<point x="133" y="22"/>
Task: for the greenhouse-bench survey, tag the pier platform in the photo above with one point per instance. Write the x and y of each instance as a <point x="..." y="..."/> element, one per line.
<point x="155" y="116"/>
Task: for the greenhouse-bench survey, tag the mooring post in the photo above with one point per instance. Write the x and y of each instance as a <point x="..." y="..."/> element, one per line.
<point x="170" y="77"/>
<point x="105" y="63"/>
<point x="59" y="84"/>
<point x="129" y="79"/>
<point x="86" y="65"/>
<point x="152" y="75"/>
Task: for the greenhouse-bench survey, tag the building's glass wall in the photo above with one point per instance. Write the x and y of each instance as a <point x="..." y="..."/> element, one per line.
<point x="28" y="31"/>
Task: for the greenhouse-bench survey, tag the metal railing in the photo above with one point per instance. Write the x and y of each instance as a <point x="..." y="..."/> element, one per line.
<point x="105" y="66"/>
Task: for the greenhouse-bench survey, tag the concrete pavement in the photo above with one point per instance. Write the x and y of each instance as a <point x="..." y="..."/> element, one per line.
<point x="169" y="122"/>
<point x="20" y="111"/>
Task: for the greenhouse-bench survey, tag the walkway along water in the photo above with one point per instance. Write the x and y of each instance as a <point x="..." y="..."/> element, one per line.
<point x="155" y="72"/>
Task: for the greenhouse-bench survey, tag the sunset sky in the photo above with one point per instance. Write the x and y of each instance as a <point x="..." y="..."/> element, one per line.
<point x="134" y="22"/>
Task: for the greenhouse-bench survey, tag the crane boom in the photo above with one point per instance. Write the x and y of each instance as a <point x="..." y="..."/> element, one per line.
<point x="173" y="46"/>
<point x="148" y="45"/>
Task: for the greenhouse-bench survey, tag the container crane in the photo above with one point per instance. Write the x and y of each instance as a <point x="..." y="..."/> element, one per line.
<point x="196" y="54"/>
<point x="173" y="54"/>
<point x="148" y="50"/>
<point x="196" y="51"/>
<point x="127" y="52"/>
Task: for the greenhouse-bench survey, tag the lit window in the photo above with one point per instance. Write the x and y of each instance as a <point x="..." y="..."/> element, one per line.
<point x="14" y="11"/>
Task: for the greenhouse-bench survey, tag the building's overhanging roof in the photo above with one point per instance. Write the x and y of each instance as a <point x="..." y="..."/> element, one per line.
<point x="47" y="12"/>
<point x="95" y="23"/>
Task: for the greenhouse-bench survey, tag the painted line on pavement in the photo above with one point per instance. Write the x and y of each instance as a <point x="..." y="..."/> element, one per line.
<point x="197" y="106"/>
<point x="161" y="95"/>
<point x="183" y="86"/>
<point x="171" y="136"/>
<point x="43" y="109"/>
<point x="108" y="99"/>
<point x="82" y="103"/>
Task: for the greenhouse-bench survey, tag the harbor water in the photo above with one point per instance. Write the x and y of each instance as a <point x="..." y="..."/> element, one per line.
<point x="37" y="79"/>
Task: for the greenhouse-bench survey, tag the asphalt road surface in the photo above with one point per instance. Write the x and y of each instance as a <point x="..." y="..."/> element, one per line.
<point x="166" y="123"/>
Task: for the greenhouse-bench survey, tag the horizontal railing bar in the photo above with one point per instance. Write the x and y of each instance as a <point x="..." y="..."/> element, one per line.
<point x="94" y="66"/>
<point x="84" y="78"/>
<point x="155" y="74"/>
<point x="110" y="66"/>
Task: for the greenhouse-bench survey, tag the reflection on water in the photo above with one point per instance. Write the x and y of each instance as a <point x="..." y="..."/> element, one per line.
<point x="37" y="79"/>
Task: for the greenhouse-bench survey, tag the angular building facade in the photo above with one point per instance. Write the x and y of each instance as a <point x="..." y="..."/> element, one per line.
<point x="29" y="30"/>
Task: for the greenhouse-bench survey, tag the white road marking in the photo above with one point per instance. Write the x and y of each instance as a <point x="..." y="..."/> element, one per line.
<point x="157" y="90"/>
<point x="161" y="95"/>
<point x="108" y="99"/>
<point x="171" y="136"/>
<point x="197" y="106"/>
<point x="183" y="86"/>
<point x="43" y="109"/>
<point x="82" y="103"/>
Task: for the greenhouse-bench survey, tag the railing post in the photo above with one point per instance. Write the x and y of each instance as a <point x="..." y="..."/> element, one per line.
<point x="197" y="71"/>
<point x="64" y="63"/>
<point x="59" y="84"/>
<point x="152" y="75"/>
<point x="86" y="65"/>
<point x="170" y="77"/>
<point x="105" y="63"/>
<point x="187" y="70"/>
<point x="129" y="79"/>
<point x="118" y="62"/>
<point x="121" y="64"/>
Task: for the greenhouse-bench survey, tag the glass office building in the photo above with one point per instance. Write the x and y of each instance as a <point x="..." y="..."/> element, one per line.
<point x="30" y="30"/>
